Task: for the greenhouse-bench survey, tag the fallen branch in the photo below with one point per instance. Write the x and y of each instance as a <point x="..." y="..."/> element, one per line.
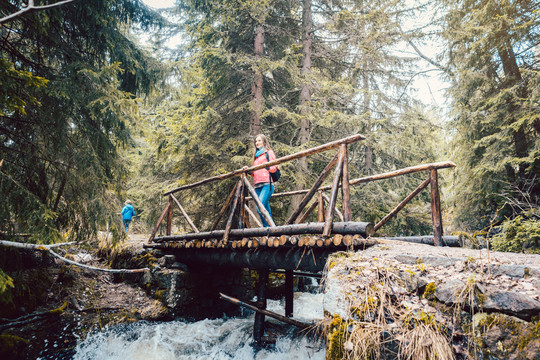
<point x="27" y="319"/>
<point x="253" y="307"/>
<point x="48" y="248"/>
<point x="33" y="246"/>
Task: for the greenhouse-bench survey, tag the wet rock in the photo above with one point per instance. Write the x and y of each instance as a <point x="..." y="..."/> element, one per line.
<point x="512" y="303"/>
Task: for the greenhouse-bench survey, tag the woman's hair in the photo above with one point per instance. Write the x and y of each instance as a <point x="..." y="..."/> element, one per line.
<point x="266" y="144"/>
<point x="127" y="202"/>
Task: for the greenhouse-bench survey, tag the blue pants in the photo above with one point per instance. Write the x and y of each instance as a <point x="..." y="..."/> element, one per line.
<point x="264" y="193"/>
<point x="126" y="224"/>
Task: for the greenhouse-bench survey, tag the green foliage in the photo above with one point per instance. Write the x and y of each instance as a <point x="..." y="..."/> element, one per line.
<point x="493" y="48"/>
<point x="202" y="128"/>
<point x="70" y="77"/>
<point x="6" y="282"/>
<point x="521" y="235"/>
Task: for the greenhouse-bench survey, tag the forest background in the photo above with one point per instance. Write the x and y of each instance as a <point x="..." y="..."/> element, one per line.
<point x="91" y="114"/>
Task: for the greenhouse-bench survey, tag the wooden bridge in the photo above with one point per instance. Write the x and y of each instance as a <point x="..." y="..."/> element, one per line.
<point x="295" y="245"/>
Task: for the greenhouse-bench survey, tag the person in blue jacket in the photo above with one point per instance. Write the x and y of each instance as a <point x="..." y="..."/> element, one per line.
<point x="128" y="212"/>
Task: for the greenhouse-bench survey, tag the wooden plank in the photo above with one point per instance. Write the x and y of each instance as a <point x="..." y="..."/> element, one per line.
<point x="320" y="201"/>
<point x="402" y="204"/>
<point x="387" y="175"/>
<point x="301" y="154"/>
<point x="436" y="208"/>
<point x="185" y="214"/>
<point x="243" y="217"/>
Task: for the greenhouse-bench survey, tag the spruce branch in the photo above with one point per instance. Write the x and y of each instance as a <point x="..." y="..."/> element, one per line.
<point x="32" y="7"/>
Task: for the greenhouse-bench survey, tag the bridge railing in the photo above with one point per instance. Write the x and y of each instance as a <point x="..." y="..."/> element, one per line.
<point x="237" y="200"/>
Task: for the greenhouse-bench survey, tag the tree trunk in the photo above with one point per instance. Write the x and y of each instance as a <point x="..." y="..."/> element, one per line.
<point x="257" y="85"/>
<point x="305" y="95"/>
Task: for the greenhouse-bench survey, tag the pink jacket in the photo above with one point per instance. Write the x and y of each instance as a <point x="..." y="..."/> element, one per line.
<point x="262" y="175"/>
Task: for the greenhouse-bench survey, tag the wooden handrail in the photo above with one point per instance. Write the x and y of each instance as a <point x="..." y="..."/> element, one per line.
<point x="387" y="175"/>
<point x="284" y="159"/>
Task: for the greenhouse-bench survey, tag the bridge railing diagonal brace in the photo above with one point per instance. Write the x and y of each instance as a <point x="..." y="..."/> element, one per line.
<point x="236" y="200"/>
<point x="324" y="174"/>
<point x="162" y="216"/>
<point x="224" y="207"/>
<point x="184" y="213"/>
<point x="338" y="172"/>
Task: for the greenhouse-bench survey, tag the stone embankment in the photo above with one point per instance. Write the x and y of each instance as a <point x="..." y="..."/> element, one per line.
<point x="419" y="301"/>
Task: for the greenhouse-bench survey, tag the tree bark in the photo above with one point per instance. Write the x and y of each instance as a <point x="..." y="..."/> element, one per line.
<point x="257" y="84"/>
<point x="305" y="96"/>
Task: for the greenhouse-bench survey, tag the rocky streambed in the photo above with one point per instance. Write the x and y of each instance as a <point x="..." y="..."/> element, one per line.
<point x="423" y="302"/>
<point x="392" y="300"/>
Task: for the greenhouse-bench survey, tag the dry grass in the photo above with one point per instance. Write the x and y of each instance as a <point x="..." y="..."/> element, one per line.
<point x="380" y="324"/>
<point x="425" y="342"/>
<point x="366" y="341"/>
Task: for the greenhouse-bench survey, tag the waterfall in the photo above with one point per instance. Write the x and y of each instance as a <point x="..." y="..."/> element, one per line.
<point x="216" y="339"/>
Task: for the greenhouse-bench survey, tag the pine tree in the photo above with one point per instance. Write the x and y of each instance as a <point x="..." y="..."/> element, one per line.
<point x="494" y="51"/>
<point x="70" y="78"/>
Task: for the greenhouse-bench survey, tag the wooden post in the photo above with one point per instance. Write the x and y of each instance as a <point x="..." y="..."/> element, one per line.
<point x="345" y="187"/>
<point x="313" y="190"/>
<point x="333" y="196"/>
<point x="320" y="201"/>
<point x="258" y="326"/>
<point x="184" y="213"/>
<point x="436" y="208"/>
<point x="289" y="293"/>
<point x="242" y="200"/>
<point x="169" y="217"/>
<point x="261" y="207"/>
<point x="239" y="188"/>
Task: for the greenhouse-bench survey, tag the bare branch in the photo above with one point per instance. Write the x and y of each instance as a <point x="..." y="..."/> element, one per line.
<point x="32" y="7"/>
<point x="446" y="69"/>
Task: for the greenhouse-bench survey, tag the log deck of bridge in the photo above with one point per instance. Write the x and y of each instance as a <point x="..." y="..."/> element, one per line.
<point x="296" y="245"/>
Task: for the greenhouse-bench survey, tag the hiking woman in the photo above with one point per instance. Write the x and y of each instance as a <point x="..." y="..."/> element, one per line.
<point x="264" y="185"/>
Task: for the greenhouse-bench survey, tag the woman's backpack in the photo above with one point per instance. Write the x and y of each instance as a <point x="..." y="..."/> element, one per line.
<point x="275" y="175"/>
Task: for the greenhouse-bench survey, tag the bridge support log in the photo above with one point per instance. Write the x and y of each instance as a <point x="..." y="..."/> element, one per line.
<point x="361" y="228"/>
<point x="258" y="326"/>
<point x="298" y="259"/>
<point x="289" y="293"/>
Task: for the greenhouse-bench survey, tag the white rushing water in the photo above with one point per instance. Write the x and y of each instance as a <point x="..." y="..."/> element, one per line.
<point x="217" y="339"/>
